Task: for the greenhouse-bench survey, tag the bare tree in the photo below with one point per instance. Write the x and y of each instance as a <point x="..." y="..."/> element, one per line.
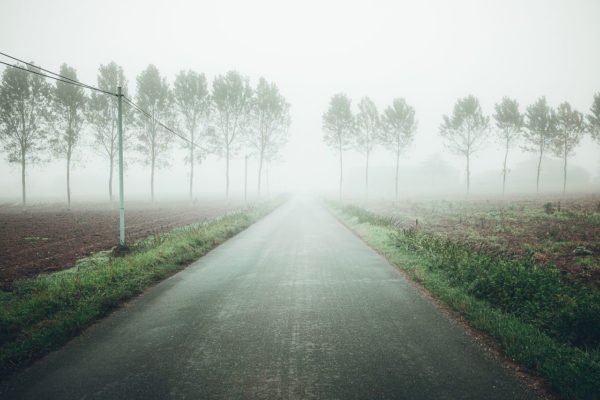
<point x="193" y="103"/>
<point x="69" y="103"/>
<point x="509" y="122"/>
<point x="101" y="114"/>
<point x="464" y="130"/>
<point x="398" y="130"/>
<point x="539" y="123"/>
<point x="154" y="142"/>
<point x="271" y="114"/>
<point x="232" y="100"/>
<point x="569" y="129"/>
<point x="338" y="124"/>
<point x="24" y="111"/>
<point x="368" y="125"/>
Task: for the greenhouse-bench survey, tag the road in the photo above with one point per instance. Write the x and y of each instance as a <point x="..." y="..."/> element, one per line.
<point x="294" y="307"/>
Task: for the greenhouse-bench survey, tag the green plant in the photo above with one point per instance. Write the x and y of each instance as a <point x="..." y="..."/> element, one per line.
<point x="41" y="314"/>
<point x="537" y="318"/>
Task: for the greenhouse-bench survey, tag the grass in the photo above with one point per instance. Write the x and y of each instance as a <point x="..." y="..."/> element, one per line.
<point x="43" y="313"/>
<point x="546" y="323"/>
<point x="548" y="232"/>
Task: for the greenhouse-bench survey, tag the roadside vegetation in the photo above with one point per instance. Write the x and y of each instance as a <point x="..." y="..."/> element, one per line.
<point x="41" y="314"/>
<point x="541" y="315"/>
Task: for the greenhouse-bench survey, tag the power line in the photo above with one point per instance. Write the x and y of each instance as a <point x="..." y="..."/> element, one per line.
<point x="44" y="75"/>
<point x="65" y="79"/>
<point x="147" y="114"/>
<point x="132" y="104"/>
<point x="33" y="65"/>
<point x="60" y="78"/>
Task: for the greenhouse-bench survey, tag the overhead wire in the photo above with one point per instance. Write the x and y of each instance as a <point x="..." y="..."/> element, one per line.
<point x="65" y="79"/>
<point x="147" y="114"/>
<point x="62" y="77"/>
<point x="52" y="77"/>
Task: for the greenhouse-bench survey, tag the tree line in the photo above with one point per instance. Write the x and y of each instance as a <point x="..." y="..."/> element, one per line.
<point x="540" y="129"/>
<point x="343" y="130"/>
<point x="40" y="121"/>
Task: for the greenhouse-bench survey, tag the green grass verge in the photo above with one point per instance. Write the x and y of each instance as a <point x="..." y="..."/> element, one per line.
<point x="41" y="314"/>
<point x="527" y="319"/>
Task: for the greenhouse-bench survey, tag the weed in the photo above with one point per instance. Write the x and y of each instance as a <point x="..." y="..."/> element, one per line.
<point x="41" y="314"/>
<point x="547" y="324"/>
<point x="549" y="208"/>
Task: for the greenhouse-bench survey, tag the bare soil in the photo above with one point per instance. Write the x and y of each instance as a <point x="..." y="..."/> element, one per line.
<point x="563" y="232"/>
<point x="47" y="237"/>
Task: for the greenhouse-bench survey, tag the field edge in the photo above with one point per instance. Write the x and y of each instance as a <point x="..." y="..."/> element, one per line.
<point x="42" y="314"/>
<point x="560" y="366"/>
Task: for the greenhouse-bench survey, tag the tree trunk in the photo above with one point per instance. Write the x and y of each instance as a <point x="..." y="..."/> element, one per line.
<point x="367" y="178"/>
<point x="246" y="179"/>
<point x="341" y="165"/>
<point x="227" y="173"/>
<point x="68" y="180"/>
<point x="504" y="168"/>
<point x="565" y="172"/>
<point x="152" y="155"/>
<point x="468" y="173"/>
<point x="110" y="177"/>
<point x="260" y="164"/>
<point x="468" y="161"/>
<point x="23" y="197"/>
<point x="267" y="178"/>
<point x="192" y="169"/>
<point x="539" y="167"/>
<point x="397" y="168"/>
<point x="152" y="179"/>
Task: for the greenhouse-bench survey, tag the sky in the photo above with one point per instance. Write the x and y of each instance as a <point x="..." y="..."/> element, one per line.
<point x="429" y="52"/>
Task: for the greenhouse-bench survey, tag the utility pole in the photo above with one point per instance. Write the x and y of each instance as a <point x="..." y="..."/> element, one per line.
<point x="121" y="197"/>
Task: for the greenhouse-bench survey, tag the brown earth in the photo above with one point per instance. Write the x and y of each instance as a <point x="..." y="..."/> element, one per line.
<point x="563" y="232"/>
<point x="47" y="237"/>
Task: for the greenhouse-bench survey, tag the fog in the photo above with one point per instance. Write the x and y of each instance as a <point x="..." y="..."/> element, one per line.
<point x="429" y="52"/>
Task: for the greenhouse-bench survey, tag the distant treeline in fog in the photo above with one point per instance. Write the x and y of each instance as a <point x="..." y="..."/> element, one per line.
<point x="540" y="130"/>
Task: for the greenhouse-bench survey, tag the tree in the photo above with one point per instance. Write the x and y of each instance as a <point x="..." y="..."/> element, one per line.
<point x="569" y="129"/>
<point x="271" y="114"/>
<point x="69" y="103"/>
<point x="192" y="99"/>
<point x="539" y="123"/>
<point x="153" y="96"/>
<point x="24" y="111"/>
<point x="368" y="125"/>
<point x="594" y="118"/>
<point x="101" y="114"/>
<point x="464" y="130"/>
<point x="398" y="129"/>
<point x="509" y="122"/>
<point x="232" y="100"/>
<point x="338" y="124"/>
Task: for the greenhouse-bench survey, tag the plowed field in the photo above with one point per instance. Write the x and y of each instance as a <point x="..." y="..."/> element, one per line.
<point x="48" y="238"/>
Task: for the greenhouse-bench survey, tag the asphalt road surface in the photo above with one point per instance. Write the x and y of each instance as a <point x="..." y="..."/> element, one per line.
<point x="294" y="307"/>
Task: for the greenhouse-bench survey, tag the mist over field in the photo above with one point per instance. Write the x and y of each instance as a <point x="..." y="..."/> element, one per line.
<point x="321" y="199"/>
<point x="430" y="53"/>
